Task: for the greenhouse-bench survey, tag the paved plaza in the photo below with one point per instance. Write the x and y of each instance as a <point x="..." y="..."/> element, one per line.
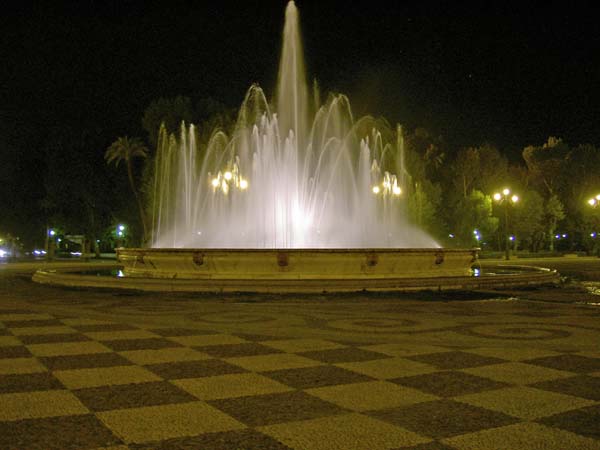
<point x="114" y="370"/>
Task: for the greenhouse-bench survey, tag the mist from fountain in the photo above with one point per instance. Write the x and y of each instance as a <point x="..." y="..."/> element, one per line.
<point x="304" y="176"/>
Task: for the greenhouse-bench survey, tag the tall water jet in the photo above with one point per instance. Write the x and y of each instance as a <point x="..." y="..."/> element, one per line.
<point x="290" y="178"/>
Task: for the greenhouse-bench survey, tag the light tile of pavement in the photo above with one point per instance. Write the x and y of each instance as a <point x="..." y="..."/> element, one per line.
<point x="200" y="339"/>
<point x="370" y="395"/>
<point x="231" y="385"/>
<point x="84" y="378"/>
<point x="531" y="436"/>
<point x="384" y="369"/>
<point x="9" y="341"/>
<point x="276" y="361"/>
<point x="513" y="353"/>
<point x="20" y="365"/>
<point x="67" y="348"/>
<point x="155" y="423"/>
<point x="517" y="373"/>
<point x="301" y="345"/>
<point x="29" y="405"/>
<point x="118" y="335"/>
<point x="163" y="355"/>
<point x="82" y="321"/>
<point x="343" y="432"/>
<point x="525" y="402"/>
<point x="57" y="329"/>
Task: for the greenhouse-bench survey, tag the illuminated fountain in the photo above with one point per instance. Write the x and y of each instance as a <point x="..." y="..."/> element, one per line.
<point x="300" y="199"/>
<point x="304" y="176"/>
<point x="304" y="194"/>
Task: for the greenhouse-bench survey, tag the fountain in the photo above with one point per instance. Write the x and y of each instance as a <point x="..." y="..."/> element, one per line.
<point x="303" y="198"/>
<point x="305" y="192"/>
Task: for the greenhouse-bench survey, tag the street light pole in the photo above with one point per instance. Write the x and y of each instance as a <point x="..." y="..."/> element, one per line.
<point x="505" y="198"/>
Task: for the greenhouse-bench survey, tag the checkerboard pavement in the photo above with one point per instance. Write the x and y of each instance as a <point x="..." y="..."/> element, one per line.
<point x="72" y="382"/>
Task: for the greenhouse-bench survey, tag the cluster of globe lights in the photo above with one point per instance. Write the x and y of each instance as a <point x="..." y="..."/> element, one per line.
<point x="594" y="201"/>
<point x="505" y="195"/>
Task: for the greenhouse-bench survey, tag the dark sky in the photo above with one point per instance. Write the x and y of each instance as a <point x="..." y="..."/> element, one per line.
<point x="507" y="74"/>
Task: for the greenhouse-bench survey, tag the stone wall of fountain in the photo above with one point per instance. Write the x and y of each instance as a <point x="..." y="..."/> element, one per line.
<point x="303" y="176"/>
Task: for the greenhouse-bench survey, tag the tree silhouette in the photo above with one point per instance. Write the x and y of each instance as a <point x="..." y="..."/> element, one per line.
<point x="126" y="149"/>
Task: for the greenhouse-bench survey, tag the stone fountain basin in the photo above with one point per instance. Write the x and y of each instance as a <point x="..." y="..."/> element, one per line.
<point x="296" y="264"/>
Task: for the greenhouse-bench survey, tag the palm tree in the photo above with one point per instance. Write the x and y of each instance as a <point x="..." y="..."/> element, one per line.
<point x="126" y="149"/>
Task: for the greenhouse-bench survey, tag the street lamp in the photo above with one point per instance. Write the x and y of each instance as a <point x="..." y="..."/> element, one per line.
<point x="507" y="199"/>
<point x="594" y="202"/>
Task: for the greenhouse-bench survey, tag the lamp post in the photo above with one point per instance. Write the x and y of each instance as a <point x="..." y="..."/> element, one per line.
<point x="508" y="199"/>
<point x="594" y="202"/>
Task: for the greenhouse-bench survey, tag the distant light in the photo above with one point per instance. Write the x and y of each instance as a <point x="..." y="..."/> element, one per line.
<point x="451" y="235"/>
<point x="199" y="233"/>
<point x="215" y="182"/>
<point x="59" y="239"/>
<point x="515" y="198"/>
<point x="564" y="235"/>
<point x="228" y="175"/>
<point x="122" y="227"/>
<point x="598" y="197"/>
<point x="593" y="235"/>
<point x="3" y="253"/>
<point x="225" y="187"/>
<point x="512" y="238"/>
<point x="592" y="201"/>
<point x="76" y="253"/>
<point x="243" y="184"/>
<point x="506" y="191"/>
<point x="477" y="237"/>
<point x="476" y="272"/>
<point x="120" y="274"/>
<point x="557" y="236"/>
<point x="376" y="189"/>
<point x="119" y="233"/>
<point x="52" y="232"/>
<point x="397" y="190"/>
<point x="475" y="232"/>
<point x="98" y="241"/>
<point x="497" y="196"/>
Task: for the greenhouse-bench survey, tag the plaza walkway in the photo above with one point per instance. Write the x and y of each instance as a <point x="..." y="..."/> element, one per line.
<point x="90" y="370"/>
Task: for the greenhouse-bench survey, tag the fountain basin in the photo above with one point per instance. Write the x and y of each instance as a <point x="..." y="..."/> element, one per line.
<point x="295" y="264"/>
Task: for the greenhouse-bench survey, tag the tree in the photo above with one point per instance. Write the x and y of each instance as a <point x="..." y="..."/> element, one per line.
<point x="554" y="212"/>
<point x="474" y="213"/>
<point x="527" y="219"/>
<point x="126" y="149"/>
<point x="466" y="168"/>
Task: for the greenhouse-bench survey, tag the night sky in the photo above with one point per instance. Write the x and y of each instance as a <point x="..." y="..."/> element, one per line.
<point x="507" y="74"/>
